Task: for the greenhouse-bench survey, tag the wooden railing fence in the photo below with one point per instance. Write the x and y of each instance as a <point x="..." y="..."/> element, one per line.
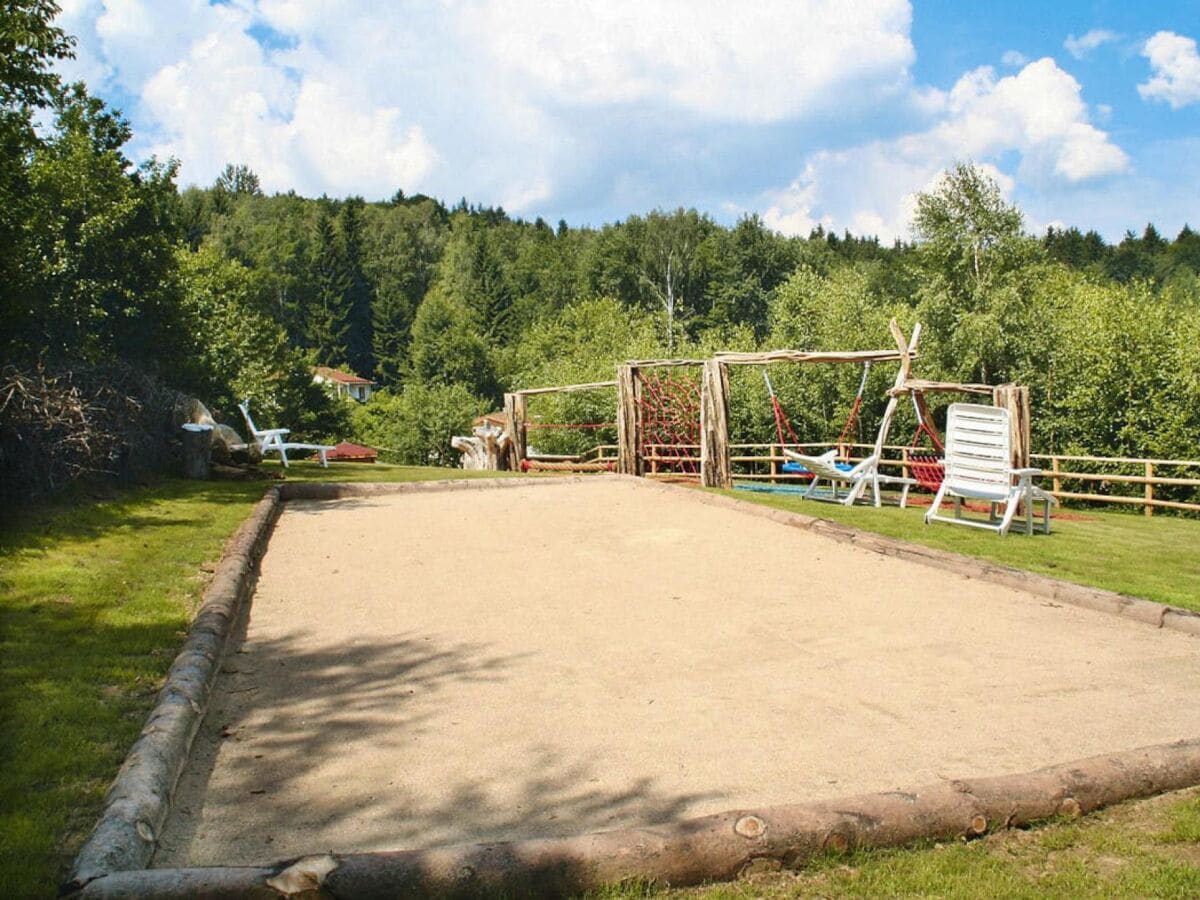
<point x="1120" y="480"/>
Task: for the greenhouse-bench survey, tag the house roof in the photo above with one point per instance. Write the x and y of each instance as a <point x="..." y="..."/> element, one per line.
<point x="341" y="377"/>
<point x="347" y="451"/>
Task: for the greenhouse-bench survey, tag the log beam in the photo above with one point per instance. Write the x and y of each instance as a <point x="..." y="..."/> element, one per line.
<point x="1015" y="398"/>
<point x="715" y="468"/>
<point x="514" y="423"/>
<point x="628" y="421"/>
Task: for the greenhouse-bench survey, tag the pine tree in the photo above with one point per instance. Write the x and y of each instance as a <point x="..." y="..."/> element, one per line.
<point x="359" y="348"/>
<point x="328" y="319"/>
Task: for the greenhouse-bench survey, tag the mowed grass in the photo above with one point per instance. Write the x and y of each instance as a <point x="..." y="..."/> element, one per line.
<point x="1156" y="558"/>
<point x="1146" y="848"/>
<point x="96" y="594"/>
<point x="95" y="599"/>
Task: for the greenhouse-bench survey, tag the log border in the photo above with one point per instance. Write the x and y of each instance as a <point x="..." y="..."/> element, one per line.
<point x="113" y="860"/>
<point x="708" y="848"/>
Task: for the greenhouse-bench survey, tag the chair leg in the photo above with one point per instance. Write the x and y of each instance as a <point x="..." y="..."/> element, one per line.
<point x="1010" y="510"/>
<point x="812" y="488"/>
<point x="936" y="504"/>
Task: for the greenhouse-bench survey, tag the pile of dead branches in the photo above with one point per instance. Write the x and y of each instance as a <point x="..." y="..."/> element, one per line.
<point x="57" y="427"/>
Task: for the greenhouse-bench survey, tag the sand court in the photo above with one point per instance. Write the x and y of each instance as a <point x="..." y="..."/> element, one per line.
<point x="431" y="668"/>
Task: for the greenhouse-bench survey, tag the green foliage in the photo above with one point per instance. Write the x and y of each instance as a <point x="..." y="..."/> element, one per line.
<point x="238" y="352"/>
<point x="402" y="244"/>
<point x="29" y="46"/>
<point x="965" y="227"/>
<point x="237" y="180"/>
<point x="328" y="316"/>
<point x="93" y="267"/>
<point x="359" y="352"/>
<point x="579" y="345"/>
<point x="447" y="348"/>
<point x="414" y="426"/>
<point x="811" y="311"/>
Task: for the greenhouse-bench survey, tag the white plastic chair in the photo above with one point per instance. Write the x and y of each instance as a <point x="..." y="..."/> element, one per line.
<point x="865" y="473"/>
<point x="272" y="439"/>
<point x="978" y="466"/>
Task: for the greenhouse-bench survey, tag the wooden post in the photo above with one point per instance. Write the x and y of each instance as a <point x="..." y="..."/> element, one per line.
<point x="1055" y="469"/>
<point x="514" y="419"/>
<point x="907" y="349"/>
<point x="628" y="421"/>
<point x="714" y="426"/>
<point x="1149" y="508"/>
<point x="1015" y="398"/>
<point x="776" y="450"/>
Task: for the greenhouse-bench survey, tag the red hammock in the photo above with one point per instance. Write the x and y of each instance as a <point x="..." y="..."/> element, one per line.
<point x="927" y="469"/>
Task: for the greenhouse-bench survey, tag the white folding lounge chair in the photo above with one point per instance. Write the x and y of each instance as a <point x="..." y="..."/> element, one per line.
<point x="978" y="466"/>
<point x="825" y="468"/>
<point x="272" y="440"/>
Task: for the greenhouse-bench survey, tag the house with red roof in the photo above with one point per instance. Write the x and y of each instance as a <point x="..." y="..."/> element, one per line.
<point x="344" y="384"/>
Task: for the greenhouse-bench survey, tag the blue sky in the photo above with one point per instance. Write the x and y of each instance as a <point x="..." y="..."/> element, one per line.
<point x="803" y="111"/>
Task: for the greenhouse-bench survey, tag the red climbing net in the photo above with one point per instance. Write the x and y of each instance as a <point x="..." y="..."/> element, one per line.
<point x="670" y="414"/>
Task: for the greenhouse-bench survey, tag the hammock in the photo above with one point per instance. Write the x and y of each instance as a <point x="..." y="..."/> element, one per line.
<point x="782" y="424"/>
<point x="926" y="468"/>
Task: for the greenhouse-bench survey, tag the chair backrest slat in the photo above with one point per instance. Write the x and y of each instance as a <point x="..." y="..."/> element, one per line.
<point x="978" y="451"/>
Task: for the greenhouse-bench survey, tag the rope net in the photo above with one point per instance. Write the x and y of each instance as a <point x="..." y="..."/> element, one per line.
<point x="670" y="418"/>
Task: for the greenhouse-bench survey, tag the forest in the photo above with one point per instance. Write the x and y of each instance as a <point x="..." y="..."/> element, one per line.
<point x="224" y="292"/>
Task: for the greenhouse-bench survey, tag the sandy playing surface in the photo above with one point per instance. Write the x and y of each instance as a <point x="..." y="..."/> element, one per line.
<point x="442" y="667"/>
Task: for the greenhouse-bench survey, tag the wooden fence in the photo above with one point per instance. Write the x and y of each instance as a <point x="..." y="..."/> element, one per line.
<point x="1123" y="480"/>
<point x="1134" y="481"/>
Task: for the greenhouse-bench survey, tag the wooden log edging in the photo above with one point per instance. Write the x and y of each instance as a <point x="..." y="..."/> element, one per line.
<point x="708" y="848"/>
<point x="140" y="797"/>
<point x="1150" y="612"/>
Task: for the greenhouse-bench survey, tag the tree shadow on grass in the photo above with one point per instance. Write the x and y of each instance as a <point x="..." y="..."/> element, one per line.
<point x="283" y="710"/>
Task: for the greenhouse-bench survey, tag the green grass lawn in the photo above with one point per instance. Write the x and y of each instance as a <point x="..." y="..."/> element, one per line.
<point x="96" y="593"/>
<point x="1157" y="558"/>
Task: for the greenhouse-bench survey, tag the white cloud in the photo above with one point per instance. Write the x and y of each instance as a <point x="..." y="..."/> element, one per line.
<point x="1080" y="47"/>
<point x="1014" y="58"/>
<point x="512" y="93"/>
<point x="229" y="101"/>
<point x="1037" y="113"/>
<point x="1176" y="66"/>
<point x="758" y="62"/>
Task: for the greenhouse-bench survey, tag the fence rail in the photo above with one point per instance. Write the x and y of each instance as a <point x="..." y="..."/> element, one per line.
<point x="1164" y="483"/>
<point x="1180" y="483"/>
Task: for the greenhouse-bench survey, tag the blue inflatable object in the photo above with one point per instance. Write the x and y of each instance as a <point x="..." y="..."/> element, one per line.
<point x="795" y="468"/>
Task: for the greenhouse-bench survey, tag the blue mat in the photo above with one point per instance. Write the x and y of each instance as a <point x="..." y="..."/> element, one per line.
<point x="770" y="488"/>
<point x="795" y="468"/>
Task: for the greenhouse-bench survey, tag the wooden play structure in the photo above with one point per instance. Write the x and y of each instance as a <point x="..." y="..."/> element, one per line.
<point x="518" y="424"/>
<point x="672" y="421"/>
